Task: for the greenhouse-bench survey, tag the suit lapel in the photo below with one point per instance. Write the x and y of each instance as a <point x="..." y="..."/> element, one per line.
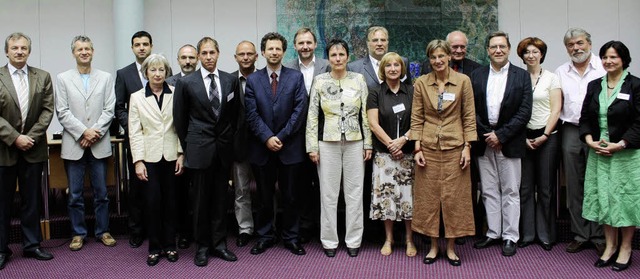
<point x="77" y="82"/>
<point x="507" y="89"/>
<point x="369" y="69"/>
<point x="167" y="101"/>
<point x="266" y="84"/>
<point x="5" y="78"/>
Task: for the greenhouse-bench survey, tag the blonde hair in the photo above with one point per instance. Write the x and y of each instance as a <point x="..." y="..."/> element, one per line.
<point x="388" y="58"/>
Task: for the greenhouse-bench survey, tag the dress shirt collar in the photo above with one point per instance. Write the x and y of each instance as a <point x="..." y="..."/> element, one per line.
<point x="404" y="88"/>
<point x="502" y="70"/>
<point x="311" y="64"/>
<point x="453" y="79"/>
<point x="12" y="69"/>
<point x="594" y="61"/>
<point x="165" y="89"/>
<point x="241" y="76"/>
<point x="205" y="73"/>
<point x="277" y="71"/>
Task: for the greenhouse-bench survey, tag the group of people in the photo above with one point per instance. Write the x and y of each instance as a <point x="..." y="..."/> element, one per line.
<point x="414" y="152"/>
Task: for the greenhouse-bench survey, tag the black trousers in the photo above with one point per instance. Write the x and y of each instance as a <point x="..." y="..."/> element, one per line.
<point x="288" y="178"/>
<point x="210" y="188"/>
<point x="160" y="211"/>
<point x="136" y="198"/>
<point x="183" y="206"/>
<point x="309" y="196"/>
<point x="29" y="177"/>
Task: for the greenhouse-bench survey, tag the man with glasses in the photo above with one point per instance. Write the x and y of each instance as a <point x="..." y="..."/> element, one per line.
<point x="459" y="63"/>
<point x="503" y="108"/>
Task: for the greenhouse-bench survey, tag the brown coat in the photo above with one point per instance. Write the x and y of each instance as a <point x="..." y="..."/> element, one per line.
<point x="442" y="185"/>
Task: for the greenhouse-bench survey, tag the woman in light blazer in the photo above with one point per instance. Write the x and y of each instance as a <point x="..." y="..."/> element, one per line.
<point x="157" y="155"/>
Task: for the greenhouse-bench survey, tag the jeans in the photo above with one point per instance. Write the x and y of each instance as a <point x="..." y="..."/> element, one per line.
<point x="98" y="174"/>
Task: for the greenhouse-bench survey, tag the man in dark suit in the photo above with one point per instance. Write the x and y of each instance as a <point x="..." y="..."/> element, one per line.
<point x="305" y="44"/>
<point x="276" y="101"/>
<point x="129" y="80"/>
<point x="459" y="62"/>
<point x="187" y="60"/>
<point x="207" y="113"/>
<point x="26" y="109"/>
<point x="503" y="99"/>
<point x="246" y="57"/>
<point x="378" y="46"/>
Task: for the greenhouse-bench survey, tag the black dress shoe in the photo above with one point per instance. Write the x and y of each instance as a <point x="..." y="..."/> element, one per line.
<point x="184" y="243"/>
<point x="295" y="248"/>
<point x="619" y="266"/>
<point x="508" y="248"/>
<point x="546" y="245"/>
<point x="523" y="244"/>
<point x="243" y="239"/>
<point x="135" y="241"/>
<point x="4" y="259"/>
<point x="38" y="254"/>
<point x="261" y="246"/>
<point x="353" y="252"/>
<point x="224" y="254"/>
<point x="202" y="257"/>
<point x="153" y="259"/>
<point x="330" y="252"/>
<point x="453" y="262"/>
<point x="576" y="246"/>
<point x="484" y="243"/>
<point x="460" y="241"/>
<point x="172" y="256"/>
<point x="430" y="260"/>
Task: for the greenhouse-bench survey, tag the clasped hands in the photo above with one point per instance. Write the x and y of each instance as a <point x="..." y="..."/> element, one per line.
<point x="89" y="137"/>
<point x="605" y="148"/>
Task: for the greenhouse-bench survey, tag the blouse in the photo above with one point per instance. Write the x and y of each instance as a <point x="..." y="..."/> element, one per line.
<point x="394" y="113"/>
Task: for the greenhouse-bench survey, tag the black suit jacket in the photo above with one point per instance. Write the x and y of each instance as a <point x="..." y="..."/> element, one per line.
<point x="468" y="66"/>
<point x="243" y="130"/>
<point x="127" y="83"/>
<point x="364" y="67"/>
<point x="203" y="136"/>
<point x="623" y="116"/>
<point x="515" y="111"/>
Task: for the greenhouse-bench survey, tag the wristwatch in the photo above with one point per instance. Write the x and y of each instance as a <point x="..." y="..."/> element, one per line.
<point x="624" y="145"/>
<point x="405" y="137"/>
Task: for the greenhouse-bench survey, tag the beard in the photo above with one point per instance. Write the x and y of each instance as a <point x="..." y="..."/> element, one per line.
<point x="580" y="57"/>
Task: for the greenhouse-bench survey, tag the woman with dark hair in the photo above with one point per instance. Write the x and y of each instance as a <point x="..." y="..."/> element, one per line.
<point x="443" y="123"/>
<point x="610" y="126"/>
<point x="389" y="112"/>
<point x="540" y="165"/>
<point x="338" y="130"/>
<point x="157" y="156"/>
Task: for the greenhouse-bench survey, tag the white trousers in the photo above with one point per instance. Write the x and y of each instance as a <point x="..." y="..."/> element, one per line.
<point x="342" y="159"/>
<point x="242" y="177"/>
<point x="500" y="178"/>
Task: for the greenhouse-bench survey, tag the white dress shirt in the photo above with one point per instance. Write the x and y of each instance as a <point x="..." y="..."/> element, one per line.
<point x="574" y="87"/>
<point x="376" y="66"/>
<point x="307" y="72"/>
<point x="496" y="84"/>
<point x="207" y="81"/>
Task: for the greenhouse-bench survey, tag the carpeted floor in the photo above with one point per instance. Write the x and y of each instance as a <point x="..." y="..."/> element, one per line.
<point x="98" y="261"/>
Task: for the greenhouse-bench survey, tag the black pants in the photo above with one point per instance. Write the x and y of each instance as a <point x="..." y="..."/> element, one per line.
<point x="210" y="188"/>
<point x="136" y="199"/>
<point x="160" y="211"/>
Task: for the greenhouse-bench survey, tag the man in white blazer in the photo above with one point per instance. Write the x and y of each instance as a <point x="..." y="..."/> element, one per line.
<point x="85" y="103"/>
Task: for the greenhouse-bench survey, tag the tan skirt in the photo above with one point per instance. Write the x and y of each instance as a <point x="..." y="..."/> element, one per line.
<point x="442" y="187"/>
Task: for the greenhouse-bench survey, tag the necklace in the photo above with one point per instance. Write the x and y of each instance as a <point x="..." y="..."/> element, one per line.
<point x="537" y="80"/>
<point x="610" y="87"/>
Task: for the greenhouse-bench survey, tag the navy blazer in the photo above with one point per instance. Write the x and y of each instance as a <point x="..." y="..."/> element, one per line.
<point x="283" y="116"/>
<point x="515" y="111"/>
<point x="363" y="66"/>
<point x="623" y="116"/>
<point x="127" y="83"/>
<point x="203" y="136"/>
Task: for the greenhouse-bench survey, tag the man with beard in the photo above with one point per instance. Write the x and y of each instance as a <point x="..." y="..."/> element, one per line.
<point x="188" y="61"/>
<point x="574" y="77"/>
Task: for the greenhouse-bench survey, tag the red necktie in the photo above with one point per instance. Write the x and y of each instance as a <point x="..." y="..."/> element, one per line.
<point x="455" y="67"/>
<point x="274" y="83"/>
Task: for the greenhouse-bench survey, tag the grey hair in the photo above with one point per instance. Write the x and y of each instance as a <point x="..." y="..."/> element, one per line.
<point x="576" y="32"/>
<point x="16" y="36"/>
<point x="82" y="39"/>
<point x="155" y="59"/>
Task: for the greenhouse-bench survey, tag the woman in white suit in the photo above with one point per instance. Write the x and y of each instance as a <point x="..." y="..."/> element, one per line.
<point x="157" y="155"/>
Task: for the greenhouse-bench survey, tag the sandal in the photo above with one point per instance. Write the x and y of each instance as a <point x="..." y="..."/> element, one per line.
<point x="387" y="248"/>
<point x="411" y="249"/>
<point x="153" y="259"/>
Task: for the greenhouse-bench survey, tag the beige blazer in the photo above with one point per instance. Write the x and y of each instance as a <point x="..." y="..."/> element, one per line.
<point x="79" y="109"/>
<point x="152" y="135"/>
<point x="455" y="124"/>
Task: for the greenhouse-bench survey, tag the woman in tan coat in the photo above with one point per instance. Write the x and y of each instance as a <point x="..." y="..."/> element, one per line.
<point x="443" y="125"/>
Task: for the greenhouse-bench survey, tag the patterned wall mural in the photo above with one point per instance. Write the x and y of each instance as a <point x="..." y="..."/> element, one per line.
<point x="411" y="24"/>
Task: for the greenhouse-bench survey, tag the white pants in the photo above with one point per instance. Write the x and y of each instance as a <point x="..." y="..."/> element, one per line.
<point x="341" y="159"/>
<point x="242" y="177"/>
<point x="500" y="178"/>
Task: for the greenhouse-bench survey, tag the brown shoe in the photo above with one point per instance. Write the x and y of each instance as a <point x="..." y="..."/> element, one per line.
<point x="599" y="248"/>
<point x="576" y="246"/>
<point x="76" y="243"/>
<point x="107" y="240"/>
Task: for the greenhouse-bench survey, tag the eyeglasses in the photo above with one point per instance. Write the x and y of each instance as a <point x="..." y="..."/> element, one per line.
<point x="496" y="47"/>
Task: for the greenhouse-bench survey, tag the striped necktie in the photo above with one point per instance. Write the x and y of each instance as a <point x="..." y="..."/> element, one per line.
<point x="213" y="95"/>
<point x="23" y="95"/>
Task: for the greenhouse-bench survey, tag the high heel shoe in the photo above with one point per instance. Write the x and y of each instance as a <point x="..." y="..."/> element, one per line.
<point x="620" y="267"/>
<point x="603" y="263"/>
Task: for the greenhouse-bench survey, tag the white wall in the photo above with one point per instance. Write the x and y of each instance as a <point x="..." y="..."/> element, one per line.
<point x="172" y="23"/>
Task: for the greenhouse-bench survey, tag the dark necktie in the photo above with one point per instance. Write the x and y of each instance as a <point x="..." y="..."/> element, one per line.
<point x="455" y="67"/>
<point x="213" y="95"/>
<point x="274" y="83"/>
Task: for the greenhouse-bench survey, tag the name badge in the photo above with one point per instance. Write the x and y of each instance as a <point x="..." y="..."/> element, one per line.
<point x="230" y="96"/>
<point x="623" y="96"/>
<point x="398" y="108"/>
<point x="448" y="96"/>
<point x="349" y="93"/>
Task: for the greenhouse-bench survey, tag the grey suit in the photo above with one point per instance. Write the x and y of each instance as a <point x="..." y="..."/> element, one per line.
<point x="23" y="166"/>
<point x="364" y="67"/>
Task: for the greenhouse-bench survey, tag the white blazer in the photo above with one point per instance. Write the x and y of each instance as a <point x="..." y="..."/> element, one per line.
<point x="79" y="109"/>
<point x="152" y="135"/>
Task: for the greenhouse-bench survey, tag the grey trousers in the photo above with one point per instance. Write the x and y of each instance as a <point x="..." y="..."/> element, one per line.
<point x="242" y="176"/>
